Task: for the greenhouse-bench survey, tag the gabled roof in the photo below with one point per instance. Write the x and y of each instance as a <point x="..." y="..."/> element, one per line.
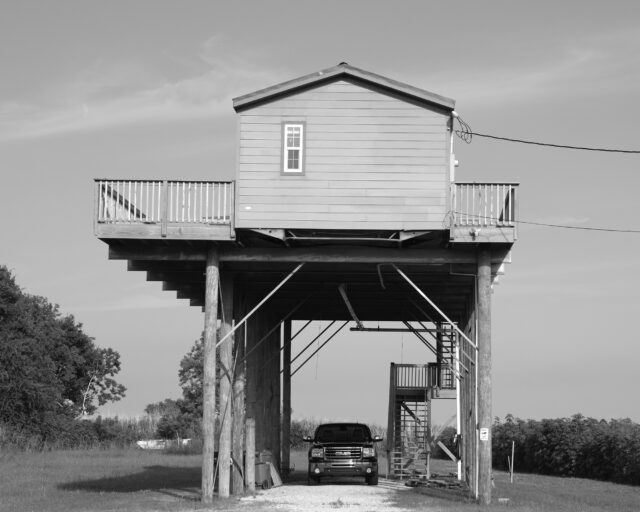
<point x="342" y="70"/>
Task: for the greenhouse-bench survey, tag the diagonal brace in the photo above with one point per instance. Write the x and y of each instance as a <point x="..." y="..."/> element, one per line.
<point x="433" y="305"/>
<point x="259" y="305"/>
<point x="319" y="348"/>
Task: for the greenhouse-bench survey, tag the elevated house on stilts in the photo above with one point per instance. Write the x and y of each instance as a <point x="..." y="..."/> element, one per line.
<point x="344" y="207"/>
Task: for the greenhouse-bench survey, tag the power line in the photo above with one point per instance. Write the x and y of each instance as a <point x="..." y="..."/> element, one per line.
<point x="562" y="146"/>
<point x="466" y="134"/>
<point x="584" y="228"/>
<point x="560" y="226"/>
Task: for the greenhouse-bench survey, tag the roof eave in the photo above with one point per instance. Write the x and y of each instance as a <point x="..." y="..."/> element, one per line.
<point x="334" y="73"/>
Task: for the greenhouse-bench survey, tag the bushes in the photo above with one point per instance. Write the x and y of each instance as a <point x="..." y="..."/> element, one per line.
<point x="67" y="433"/>
<point x="575" y="447"/>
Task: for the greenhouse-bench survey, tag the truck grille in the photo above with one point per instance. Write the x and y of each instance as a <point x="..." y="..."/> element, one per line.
<point x="342" y="453"/>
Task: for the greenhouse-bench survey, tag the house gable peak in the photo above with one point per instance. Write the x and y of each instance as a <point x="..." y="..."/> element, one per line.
<point x="342" y="71"/>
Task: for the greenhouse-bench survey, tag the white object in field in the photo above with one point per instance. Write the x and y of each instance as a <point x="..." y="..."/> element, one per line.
<point x="161" y="444"/>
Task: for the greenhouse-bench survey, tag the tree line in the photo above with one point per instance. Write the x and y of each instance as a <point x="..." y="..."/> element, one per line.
<point x="52" y="374"/>
<point x="572" y="447"/>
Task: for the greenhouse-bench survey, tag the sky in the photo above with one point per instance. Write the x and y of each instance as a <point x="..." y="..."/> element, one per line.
<point x="143" y="90"/>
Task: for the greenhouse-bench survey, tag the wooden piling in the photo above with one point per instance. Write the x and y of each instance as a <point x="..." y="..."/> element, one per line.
<point x="250" y="456"/>
<point x="238" y="421"/>
<point x="226" y="362"/>
<point x="286" y="398"/>
<point x="209" y="375"/>
<point x="484" y="376"/>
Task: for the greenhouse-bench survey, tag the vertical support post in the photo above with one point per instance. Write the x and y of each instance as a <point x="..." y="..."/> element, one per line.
<point x="428" y="440"/>
<point x="226" y="361"/>
<point x="164" y="208"/>
<point x="250" y="457"/>
<point x="484" y="375"/>
<point x="459" y="383"/>
<point x="391" y="432"/>
<point x="209" y="375"/>
<point x="239" y="417"/>
<point x="251" y="368"/>
<point x="286" y="398"/>
<point x="273" y="395"/>
<point x="439" y="353"/>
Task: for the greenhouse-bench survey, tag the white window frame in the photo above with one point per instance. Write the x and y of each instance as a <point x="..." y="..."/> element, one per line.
<point x="286" y="148"/>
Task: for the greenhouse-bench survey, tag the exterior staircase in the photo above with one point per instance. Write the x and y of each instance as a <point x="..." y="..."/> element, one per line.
<point x="412" y="389"/>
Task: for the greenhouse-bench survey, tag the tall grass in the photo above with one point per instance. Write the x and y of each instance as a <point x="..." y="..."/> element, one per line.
<point x="98" y="432"/>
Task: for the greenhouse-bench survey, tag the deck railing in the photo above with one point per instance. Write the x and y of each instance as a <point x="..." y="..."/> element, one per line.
<point x="484" y="204"/>
<point x="155" y="202"/>
<point x="421" y="376"/>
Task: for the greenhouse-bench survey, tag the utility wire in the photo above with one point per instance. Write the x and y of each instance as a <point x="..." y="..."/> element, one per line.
<point x="561" y="226"/>
<point x="466" y="134"/>
<point x="584" y="228"/>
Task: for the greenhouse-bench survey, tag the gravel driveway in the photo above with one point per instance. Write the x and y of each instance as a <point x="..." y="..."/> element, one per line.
<point x="347" y="494"/>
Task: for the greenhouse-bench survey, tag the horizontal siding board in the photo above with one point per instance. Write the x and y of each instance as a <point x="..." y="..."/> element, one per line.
<point x="338" y="160"/>
<point x="343" y="224"/>
<point x="352" y="152"/>
<point x="399" y="201"/>
<point x="329" y="216"/>
<point x="353" y="120"/>
<point x="323" y="207"/>
<point x="271" y="172"/>
<point x="331" y="102"/>
<point x="365" y="177"/>
<point x="400" y="142"/>
<point x="287" y="192"/>
<point x="419" y="143"/>
<point x="358" y="112"/>
<point x="432" y="132"/>
<point x="333" y="183"/>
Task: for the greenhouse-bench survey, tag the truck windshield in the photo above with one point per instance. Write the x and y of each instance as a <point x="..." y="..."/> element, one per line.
<point x="338" y="433"/>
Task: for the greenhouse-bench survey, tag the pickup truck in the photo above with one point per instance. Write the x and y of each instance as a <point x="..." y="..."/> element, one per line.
<point x="343" y="449"/>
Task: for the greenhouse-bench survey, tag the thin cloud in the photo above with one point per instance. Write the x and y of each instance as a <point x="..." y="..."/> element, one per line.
<point x="600" y="64"/>
<point x="104" y="97"/>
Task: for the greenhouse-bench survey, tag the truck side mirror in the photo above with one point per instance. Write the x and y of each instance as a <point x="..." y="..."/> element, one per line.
<point x="377" y="439"/>
<point x="307" y="439"/>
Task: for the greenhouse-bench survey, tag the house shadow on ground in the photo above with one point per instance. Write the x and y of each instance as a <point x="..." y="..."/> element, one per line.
<point x="182" y="482"/>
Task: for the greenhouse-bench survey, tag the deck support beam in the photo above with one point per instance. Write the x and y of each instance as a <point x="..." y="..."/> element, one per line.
<point x="226" y="377"/>
<point x="484" y="376"/>
<point x="209" y="374"/>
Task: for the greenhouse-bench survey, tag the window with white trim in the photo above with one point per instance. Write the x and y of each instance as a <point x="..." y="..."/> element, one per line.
<point x="292" y="154"/>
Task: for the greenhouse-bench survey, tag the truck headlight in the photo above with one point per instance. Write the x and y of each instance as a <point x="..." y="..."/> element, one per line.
<point x="317" y="453"/>
<point x="368" y="452"/>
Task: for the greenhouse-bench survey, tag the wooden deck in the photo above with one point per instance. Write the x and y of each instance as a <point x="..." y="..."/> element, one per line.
<point x="172" y="210"/>
<point x="484" y="213"/>
<point x="205" y="210"/>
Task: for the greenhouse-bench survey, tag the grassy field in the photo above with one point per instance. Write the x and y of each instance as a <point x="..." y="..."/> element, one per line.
<point x="135" y="480"/>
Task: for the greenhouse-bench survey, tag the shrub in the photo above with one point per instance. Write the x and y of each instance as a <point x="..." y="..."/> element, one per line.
<point x="575" y="447"/>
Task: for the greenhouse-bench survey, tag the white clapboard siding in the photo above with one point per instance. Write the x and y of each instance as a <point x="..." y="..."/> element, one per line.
<point x="371" y="161"/>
